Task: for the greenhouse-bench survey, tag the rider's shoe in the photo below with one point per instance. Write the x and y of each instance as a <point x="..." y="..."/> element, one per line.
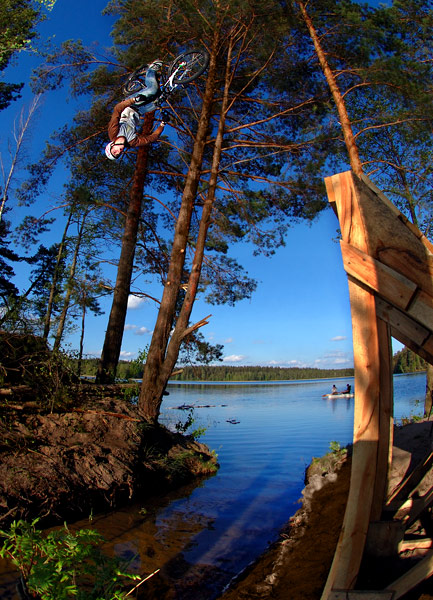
<point x="156" y="65"/>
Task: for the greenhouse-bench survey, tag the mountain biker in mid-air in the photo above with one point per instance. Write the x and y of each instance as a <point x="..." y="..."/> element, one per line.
<point x="125" y="121"/>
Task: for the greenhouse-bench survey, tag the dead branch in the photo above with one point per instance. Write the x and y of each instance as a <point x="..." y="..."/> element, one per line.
<point x="196" y="326"/>
<point x="106" y="414"/>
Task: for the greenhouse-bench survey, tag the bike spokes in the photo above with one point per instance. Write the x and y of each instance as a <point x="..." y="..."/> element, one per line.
<point x="188" y="66"/>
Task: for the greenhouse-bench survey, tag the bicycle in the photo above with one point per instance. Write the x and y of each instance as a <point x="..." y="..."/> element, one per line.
<point x="185" y="68"/>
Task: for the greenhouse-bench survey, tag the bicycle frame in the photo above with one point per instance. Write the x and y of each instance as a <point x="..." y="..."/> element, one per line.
<point x="167" y="88"/>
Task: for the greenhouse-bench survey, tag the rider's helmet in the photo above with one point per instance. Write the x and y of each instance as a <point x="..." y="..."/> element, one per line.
<point x="108" y="151"/>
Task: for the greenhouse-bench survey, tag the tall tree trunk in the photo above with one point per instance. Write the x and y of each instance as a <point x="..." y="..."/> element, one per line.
<point x="155" y="372"/>
<point x="354" y="159"/>
<point x="67" y="301"/>
<point x="47" y="321"/>
<point x="428" y="403"/>
<point x="80" y="353"/>
<point x="116" y="323"/>
<point x="346" y="125"/>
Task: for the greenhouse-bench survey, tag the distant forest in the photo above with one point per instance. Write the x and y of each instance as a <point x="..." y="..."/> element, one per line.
<point x="407" y="361"/>
<point x="404" y="361"/>
<point x="256" y="373"/>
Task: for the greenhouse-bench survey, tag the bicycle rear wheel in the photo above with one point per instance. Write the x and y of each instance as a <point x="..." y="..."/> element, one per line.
<point x="188" y="66"/>
<point x="134" y="83"/>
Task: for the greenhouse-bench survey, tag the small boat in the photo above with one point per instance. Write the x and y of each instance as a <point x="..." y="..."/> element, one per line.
<point x="339" y="395"/>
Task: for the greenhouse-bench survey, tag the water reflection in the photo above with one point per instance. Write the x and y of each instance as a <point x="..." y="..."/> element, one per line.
<point x="201" y="536"/>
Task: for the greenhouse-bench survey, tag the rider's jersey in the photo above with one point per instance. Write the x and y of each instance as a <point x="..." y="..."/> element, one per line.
<point x="134" y="139"/>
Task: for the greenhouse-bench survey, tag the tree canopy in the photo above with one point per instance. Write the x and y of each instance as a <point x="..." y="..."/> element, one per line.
<point x="18" y="23"/>
<point x="291" y="87"/>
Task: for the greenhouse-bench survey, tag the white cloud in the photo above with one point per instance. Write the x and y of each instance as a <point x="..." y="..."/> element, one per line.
<point x="339" y="338"/>
<point x="126" y="355"/>
<point x="141" y="331"/>
<point x="234" y="358"/>
<point x="136" y="329"/>
<point x="286" y="363"/>
<point x="135" y="302"/>
<point x="334" y="359"/>
<point x="228" y="340"/>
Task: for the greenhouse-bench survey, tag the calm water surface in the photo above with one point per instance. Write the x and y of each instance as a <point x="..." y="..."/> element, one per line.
<point x="203" y="536"/>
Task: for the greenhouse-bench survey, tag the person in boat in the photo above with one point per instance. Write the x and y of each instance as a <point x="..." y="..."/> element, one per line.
<point x="125" y="121"/>
<point x="334" y="389"/>
<point x="348" y="389"/>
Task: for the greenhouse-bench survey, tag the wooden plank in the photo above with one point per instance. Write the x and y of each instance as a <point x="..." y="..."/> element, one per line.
<point x="391" y="241"/>
<point x="427" y="243"/>
<point x="409" y="484"/>
<point x="343" y="196"/>
<point x="397" y="212"/>
<point x="361" y="595"/>
<point x="428" y="348"/>
<point x="384" y="538"/>
<point x="419" y="506"/>
<point x="331" y="184"/>
<point x="402" y="322"/>
<point x="386" y="420"/>
<point x="381" y="195"/>
<point x="413" y="545"/>
<point x="413" y="577"/>
<point x="421" y="309"/>
<point x="396" y="508"/>
<point x="389" y="284"/>
<point x="415" y="264"/>
<point x="348" y="555"/>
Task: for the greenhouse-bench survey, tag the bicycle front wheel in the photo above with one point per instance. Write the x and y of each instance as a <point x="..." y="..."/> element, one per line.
<point x="188" y="66"/>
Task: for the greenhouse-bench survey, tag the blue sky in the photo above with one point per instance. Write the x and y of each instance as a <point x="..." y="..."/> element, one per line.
<point x="300" y="313"/>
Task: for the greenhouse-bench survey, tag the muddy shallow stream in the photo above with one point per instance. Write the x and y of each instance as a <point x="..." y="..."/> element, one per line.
<point x="265" y="435"/>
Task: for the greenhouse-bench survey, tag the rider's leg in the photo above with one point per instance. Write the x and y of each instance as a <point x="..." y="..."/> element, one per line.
<point x="148" y="93"/>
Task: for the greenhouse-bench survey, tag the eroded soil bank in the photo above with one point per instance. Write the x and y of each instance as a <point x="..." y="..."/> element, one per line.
<point x="66" y="465"/>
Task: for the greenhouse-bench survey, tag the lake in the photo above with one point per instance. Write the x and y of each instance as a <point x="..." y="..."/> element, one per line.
<point x="265" y="435"/>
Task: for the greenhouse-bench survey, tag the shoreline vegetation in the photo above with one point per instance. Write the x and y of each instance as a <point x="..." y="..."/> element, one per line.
<point x="404" y="361"/>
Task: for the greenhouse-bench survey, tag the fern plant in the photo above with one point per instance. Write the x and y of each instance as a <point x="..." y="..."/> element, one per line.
<point x="62" y="564"/>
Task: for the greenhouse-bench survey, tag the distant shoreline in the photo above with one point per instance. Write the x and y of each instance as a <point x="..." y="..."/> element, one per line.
<point x="266" y="381"/>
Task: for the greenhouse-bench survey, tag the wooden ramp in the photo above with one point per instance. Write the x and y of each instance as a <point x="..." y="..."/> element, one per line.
<point x="389" y="264"/>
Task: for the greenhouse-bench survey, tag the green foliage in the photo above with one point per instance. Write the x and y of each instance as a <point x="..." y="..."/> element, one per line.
<point x="331" y="461"/>
<point x="406" y="361"/>
<point x="18" y="19"/>
<point x="26" y="360"/>
<point x="183" y="426"/>
<point x="134" y="368"/>
<point x="335" y="448"/>
<point x="257" y="373"/>
<point x="62" y="564"/>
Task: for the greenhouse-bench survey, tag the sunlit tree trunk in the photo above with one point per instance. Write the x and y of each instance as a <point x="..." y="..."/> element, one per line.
<point x="157" y="370"/>
<point x="346" y="125"/>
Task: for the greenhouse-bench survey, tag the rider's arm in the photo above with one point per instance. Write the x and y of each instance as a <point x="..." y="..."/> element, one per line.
<point x="144" y="139"/>
<point x="113" y="125"/>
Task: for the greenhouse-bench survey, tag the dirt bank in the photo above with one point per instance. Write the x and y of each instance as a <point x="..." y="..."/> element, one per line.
<point x="296" y="567"/>
<point x="66" y="465"/>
